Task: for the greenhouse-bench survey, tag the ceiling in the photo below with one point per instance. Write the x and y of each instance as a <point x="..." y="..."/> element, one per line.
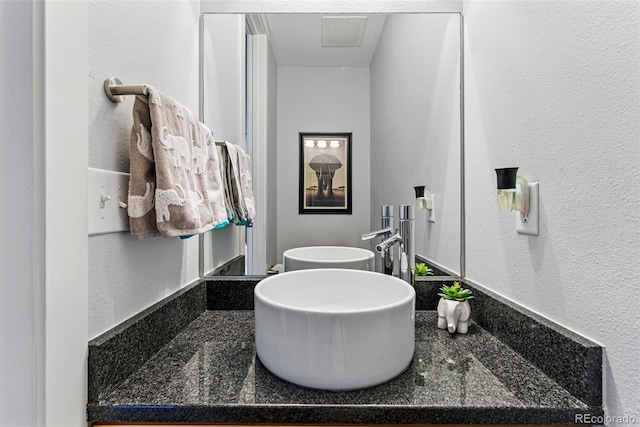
<point x="296" y="41"/>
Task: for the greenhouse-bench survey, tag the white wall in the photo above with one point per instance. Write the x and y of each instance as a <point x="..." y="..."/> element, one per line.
<point x="138" y="42"/>
<point x="415" y="127"/>
<point x="262" y="140"/>
<point x="272" y="161"/>
<point x="322" y="99"/>
<point x="65" y="129"/>
<point x="552" y="87"/>
<point x="21" y="201"/>
<point x="224" y="101"/>
<point x="44" y="213"/>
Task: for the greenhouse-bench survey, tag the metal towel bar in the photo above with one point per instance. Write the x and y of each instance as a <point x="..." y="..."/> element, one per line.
<point x="114" y="89"/>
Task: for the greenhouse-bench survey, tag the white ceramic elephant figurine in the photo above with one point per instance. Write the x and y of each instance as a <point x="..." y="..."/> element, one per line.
<point x="454" y="315"/>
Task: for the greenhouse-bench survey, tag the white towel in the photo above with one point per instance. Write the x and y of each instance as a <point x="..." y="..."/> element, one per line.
<point x="233" y="182"/>
<point x="238" y="184"/>
<point x="223" y="157"/>
<point x="175" y="186"/>
<point x="246" y="183"/>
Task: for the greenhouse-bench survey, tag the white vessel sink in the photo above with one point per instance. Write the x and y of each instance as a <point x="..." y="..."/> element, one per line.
<point x="334" y="329"/>
<point x="328" y="257"/>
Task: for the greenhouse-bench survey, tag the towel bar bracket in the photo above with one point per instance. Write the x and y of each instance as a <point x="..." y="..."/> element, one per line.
<point x="114" y="89"/>
<point x="108" y="84"/>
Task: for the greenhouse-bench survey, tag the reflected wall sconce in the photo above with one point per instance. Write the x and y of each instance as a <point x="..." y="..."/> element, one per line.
<point x="515" y="193"/>
<point x="426" y="200"/>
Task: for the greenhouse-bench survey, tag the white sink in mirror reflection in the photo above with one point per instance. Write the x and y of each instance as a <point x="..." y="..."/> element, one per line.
<point x="334" y="329"/>
<point x="308" y="257"/>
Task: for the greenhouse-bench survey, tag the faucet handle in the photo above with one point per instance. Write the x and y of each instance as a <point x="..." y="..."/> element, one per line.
<point x="371" y="235"/>
<point x="382" y="246"/>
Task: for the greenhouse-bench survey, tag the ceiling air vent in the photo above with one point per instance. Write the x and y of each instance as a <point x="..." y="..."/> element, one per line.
<point x="343" y="31"/>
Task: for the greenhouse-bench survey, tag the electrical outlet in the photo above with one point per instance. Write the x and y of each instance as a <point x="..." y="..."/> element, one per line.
<point x="528" y="224"/>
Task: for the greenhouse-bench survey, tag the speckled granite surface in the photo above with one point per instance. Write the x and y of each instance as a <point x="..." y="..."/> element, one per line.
<point x="209" y="373"/>
<point x="570" y="359"/>
<point x="118" y="353"/>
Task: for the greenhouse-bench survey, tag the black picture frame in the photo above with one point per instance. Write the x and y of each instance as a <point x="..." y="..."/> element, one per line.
<point x="325" y="185"/>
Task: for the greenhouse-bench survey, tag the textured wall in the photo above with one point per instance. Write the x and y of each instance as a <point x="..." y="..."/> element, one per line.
<point x="138" y="42"/>
<point x="321" y="99"/>
<point x="552" y="87"/>
<point x="415" y="127"/>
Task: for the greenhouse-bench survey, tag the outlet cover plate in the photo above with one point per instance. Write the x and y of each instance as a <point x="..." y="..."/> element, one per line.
<point x="531" y="225"/>
<point x="106" y="215"/>
<point x="432" y="211"/>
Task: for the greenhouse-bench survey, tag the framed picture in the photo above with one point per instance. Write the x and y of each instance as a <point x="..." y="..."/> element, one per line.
<point x="325" y="173"/>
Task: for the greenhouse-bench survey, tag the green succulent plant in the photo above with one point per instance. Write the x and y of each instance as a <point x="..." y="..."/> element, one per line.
<point x="422" y="270"/>
<point x="455" y="292"/>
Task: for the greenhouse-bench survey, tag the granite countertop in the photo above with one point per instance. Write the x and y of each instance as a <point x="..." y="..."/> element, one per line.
<point x="209" y="373"/>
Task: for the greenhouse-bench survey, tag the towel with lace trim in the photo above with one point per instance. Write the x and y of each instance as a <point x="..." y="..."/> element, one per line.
<point x="175" y="186"/>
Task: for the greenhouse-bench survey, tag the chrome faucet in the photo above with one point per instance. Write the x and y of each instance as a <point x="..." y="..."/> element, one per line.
<point x="405" y="237"/>
<point x="385" y="232"/>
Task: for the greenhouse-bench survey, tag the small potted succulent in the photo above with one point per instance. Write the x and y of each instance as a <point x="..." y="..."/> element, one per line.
<point x="454" y="309"/>
<point x="422" y="270"/>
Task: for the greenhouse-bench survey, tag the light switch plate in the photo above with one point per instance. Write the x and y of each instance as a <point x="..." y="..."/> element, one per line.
<point x="531" y="225"/>
<point x="107" y="191"/>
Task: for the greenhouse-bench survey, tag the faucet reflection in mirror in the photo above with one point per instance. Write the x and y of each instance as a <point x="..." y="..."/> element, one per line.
<point x="405" y="238"/>
<point x="384" y="233"/>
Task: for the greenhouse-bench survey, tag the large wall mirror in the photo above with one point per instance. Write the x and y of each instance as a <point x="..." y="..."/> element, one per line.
<point x="393" y="81"/>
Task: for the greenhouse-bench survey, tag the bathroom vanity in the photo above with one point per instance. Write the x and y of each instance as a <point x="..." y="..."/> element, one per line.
<point x="191" y="359"/>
